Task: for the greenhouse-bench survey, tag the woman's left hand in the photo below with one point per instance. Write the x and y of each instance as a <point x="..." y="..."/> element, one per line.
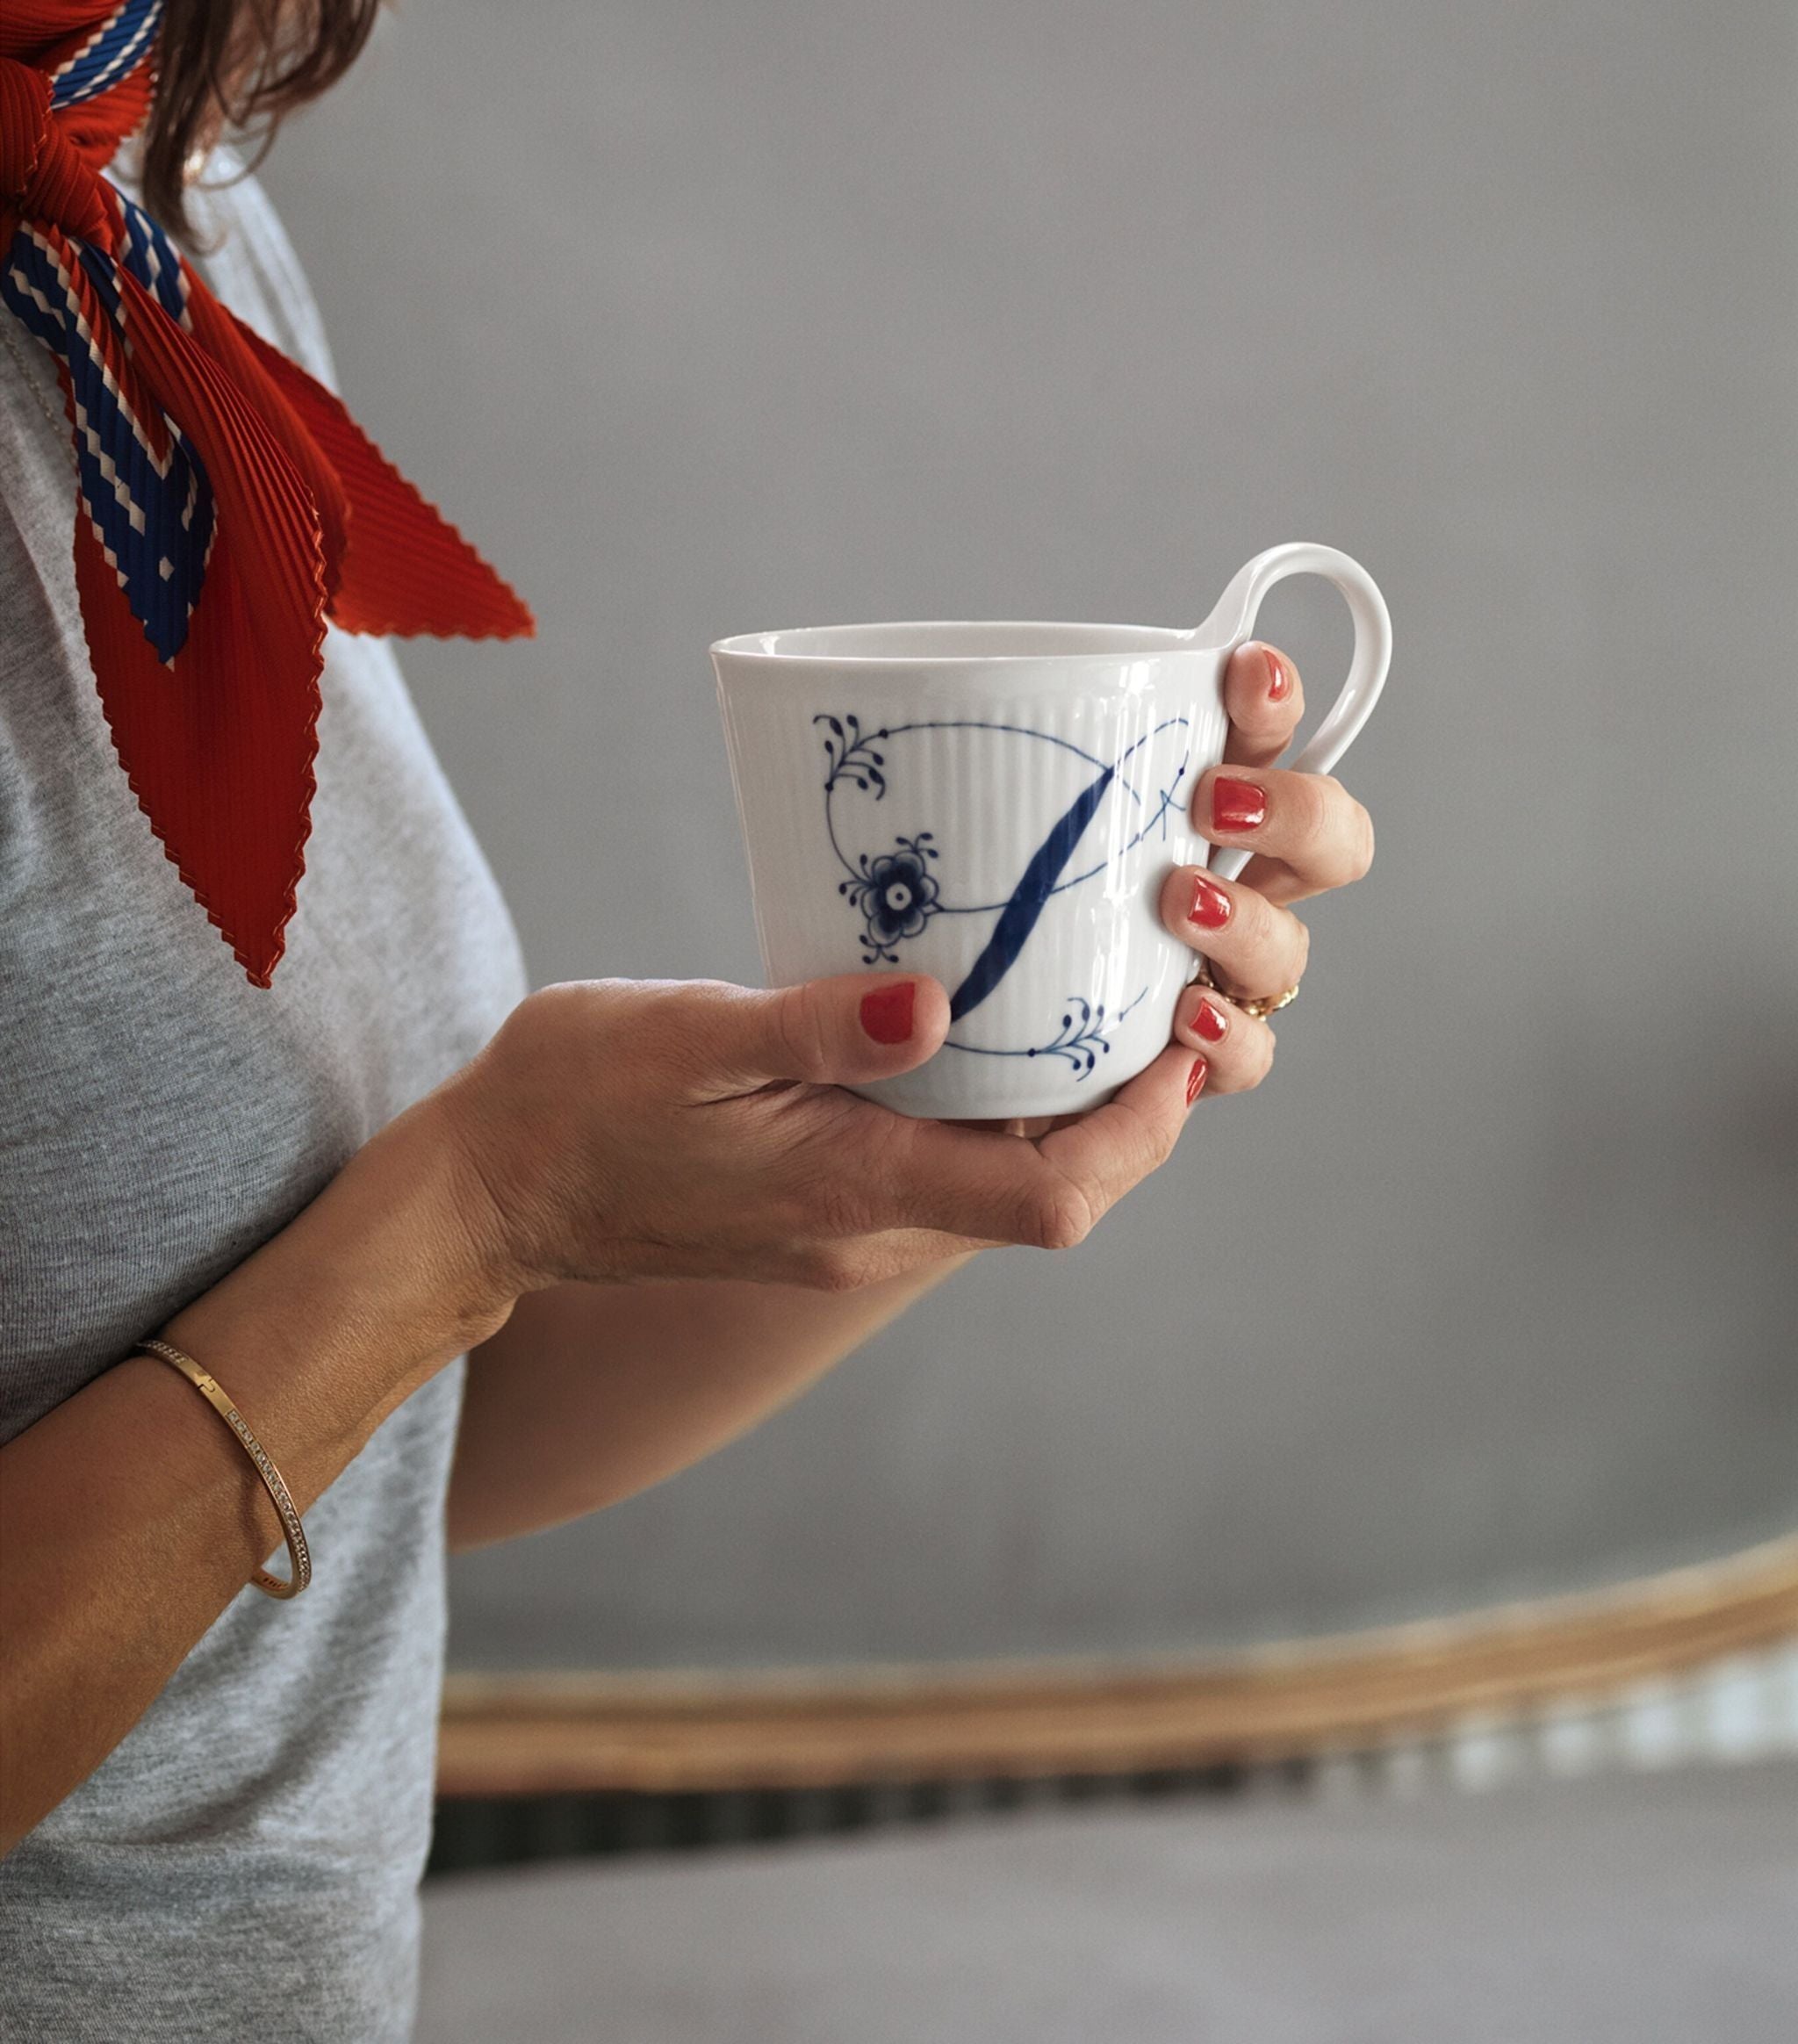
<point x="1307" y="833"/>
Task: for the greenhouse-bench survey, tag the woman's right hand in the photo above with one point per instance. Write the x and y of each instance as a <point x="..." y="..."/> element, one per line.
<point x="616" y="1130"/>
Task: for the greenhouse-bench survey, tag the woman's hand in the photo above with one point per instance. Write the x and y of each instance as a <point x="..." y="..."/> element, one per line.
<point x="617" y="1130"/>
<point x="1308" y="834"/>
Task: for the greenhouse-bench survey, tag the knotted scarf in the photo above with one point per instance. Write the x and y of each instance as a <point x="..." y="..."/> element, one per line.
<point x="226" y="503"/>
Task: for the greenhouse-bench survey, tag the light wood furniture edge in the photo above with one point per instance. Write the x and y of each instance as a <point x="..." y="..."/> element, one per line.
<point x="550" y="1733"/>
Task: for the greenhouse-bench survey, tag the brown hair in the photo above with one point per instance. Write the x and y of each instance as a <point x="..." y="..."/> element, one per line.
<point x="243" y="64"/>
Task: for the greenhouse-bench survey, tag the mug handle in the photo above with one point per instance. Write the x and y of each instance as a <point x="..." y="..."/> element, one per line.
<point x="1233" y="621"/>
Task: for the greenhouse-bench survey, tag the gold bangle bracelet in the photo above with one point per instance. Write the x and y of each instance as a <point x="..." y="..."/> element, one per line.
<point x="207" y="1384"/>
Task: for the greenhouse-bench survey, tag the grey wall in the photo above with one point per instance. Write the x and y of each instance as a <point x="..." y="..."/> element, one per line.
<point x="706" y="317"/>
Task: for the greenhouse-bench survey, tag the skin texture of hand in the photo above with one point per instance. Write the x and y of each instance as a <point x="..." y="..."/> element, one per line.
<point x="618" y="1131"/>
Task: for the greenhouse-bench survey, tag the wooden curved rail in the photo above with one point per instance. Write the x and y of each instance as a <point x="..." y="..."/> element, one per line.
<point x="543" y="1734"/>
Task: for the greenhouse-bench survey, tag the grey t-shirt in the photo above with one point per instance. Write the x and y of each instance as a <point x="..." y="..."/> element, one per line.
<point x="245" y="1864"/>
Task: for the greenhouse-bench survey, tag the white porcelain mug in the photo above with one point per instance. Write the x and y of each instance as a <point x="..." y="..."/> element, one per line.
<point x="997" y="804"/>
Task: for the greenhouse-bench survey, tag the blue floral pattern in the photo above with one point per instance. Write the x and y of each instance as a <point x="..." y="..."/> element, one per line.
<point x="897" y="893"/>
<point x="1082" y="1039"/>
<point x="851" y="757"/>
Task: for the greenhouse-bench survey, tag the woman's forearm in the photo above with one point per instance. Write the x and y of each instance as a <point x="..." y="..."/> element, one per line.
<point x="130" y="1516"/>
<point x="593" y="1391"/>
<point x="613" y="1133"/>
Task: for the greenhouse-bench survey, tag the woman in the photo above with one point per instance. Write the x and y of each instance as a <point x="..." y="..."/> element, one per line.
<point x="646" y="1214"/>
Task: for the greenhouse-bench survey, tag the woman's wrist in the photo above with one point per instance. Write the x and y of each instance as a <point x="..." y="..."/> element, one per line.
<point x="363" y="1297"/>
<point x="129" y="1515"/>
<point x="489" y="1170"/>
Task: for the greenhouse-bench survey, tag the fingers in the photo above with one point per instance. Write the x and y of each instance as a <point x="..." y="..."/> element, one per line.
<point x="1256" y="948"/>
<point x="1103" y="1154"/>
<point x="1308" y="832"/>
<point x="842" y="1030"/>
<point x="977" y="1184"/>
<point x="1237" y="1049"/>
<point x="1265" y="701"/>
<point x="982" y="1185"/>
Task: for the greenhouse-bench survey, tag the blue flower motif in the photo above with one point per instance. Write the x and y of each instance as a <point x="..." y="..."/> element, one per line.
<point x="896" y="893"/>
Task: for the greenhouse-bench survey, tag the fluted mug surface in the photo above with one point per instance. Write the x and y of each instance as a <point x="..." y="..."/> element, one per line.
<point x="996" y="804"/>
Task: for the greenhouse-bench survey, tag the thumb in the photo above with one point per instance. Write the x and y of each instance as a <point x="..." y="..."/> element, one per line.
<point x="841" y="1031"/>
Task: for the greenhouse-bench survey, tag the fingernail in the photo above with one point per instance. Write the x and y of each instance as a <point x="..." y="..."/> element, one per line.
<point x="886" y="1011"/>
<point x="1195" y="1080"/>
<point x="1211" y="905"/>
<point x="1209" y="1023"/>
<point x="1279" y="681"/>
<point x="1238" y="805"/>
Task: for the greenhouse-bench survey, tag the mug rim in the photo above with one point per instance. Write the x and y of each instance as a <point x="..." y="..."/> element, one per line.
<point x="773" y="648"/>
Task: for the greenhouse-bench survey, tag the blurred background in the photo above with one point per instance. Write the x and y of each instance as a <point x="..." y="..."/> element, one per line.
<point x="708" y="318"/>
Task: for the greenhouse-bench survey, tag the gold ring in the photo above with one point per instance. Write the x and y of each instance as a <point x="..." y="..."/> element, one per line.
<point x="1261" y="1007"/>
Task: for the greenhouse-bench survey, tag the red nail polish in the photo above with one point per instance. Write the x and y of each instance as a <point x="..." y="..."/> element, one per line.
<point x="1238" y="805"/>
<point x="1209" y="1023"/>
<point x="1211" y="905"/>
<point x="1195" y="1082"/>
<point x="886" y="1011"/>
<point x="1279" y="681"/>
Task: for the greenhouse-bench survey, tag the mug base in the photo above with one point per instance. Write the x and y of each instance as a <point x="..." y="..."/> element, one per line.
<point x="923" y="1103"/>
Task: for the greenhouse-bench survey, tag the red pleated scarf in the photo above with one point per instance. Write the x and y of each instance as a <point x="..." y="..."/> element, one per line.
<point x="226" y="503"/>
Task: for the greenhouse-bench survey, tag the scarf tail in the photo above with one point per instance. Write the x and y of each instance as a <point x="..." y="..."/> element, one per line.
<point x="219" y="744"/>
<point x="405" y="568"/>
